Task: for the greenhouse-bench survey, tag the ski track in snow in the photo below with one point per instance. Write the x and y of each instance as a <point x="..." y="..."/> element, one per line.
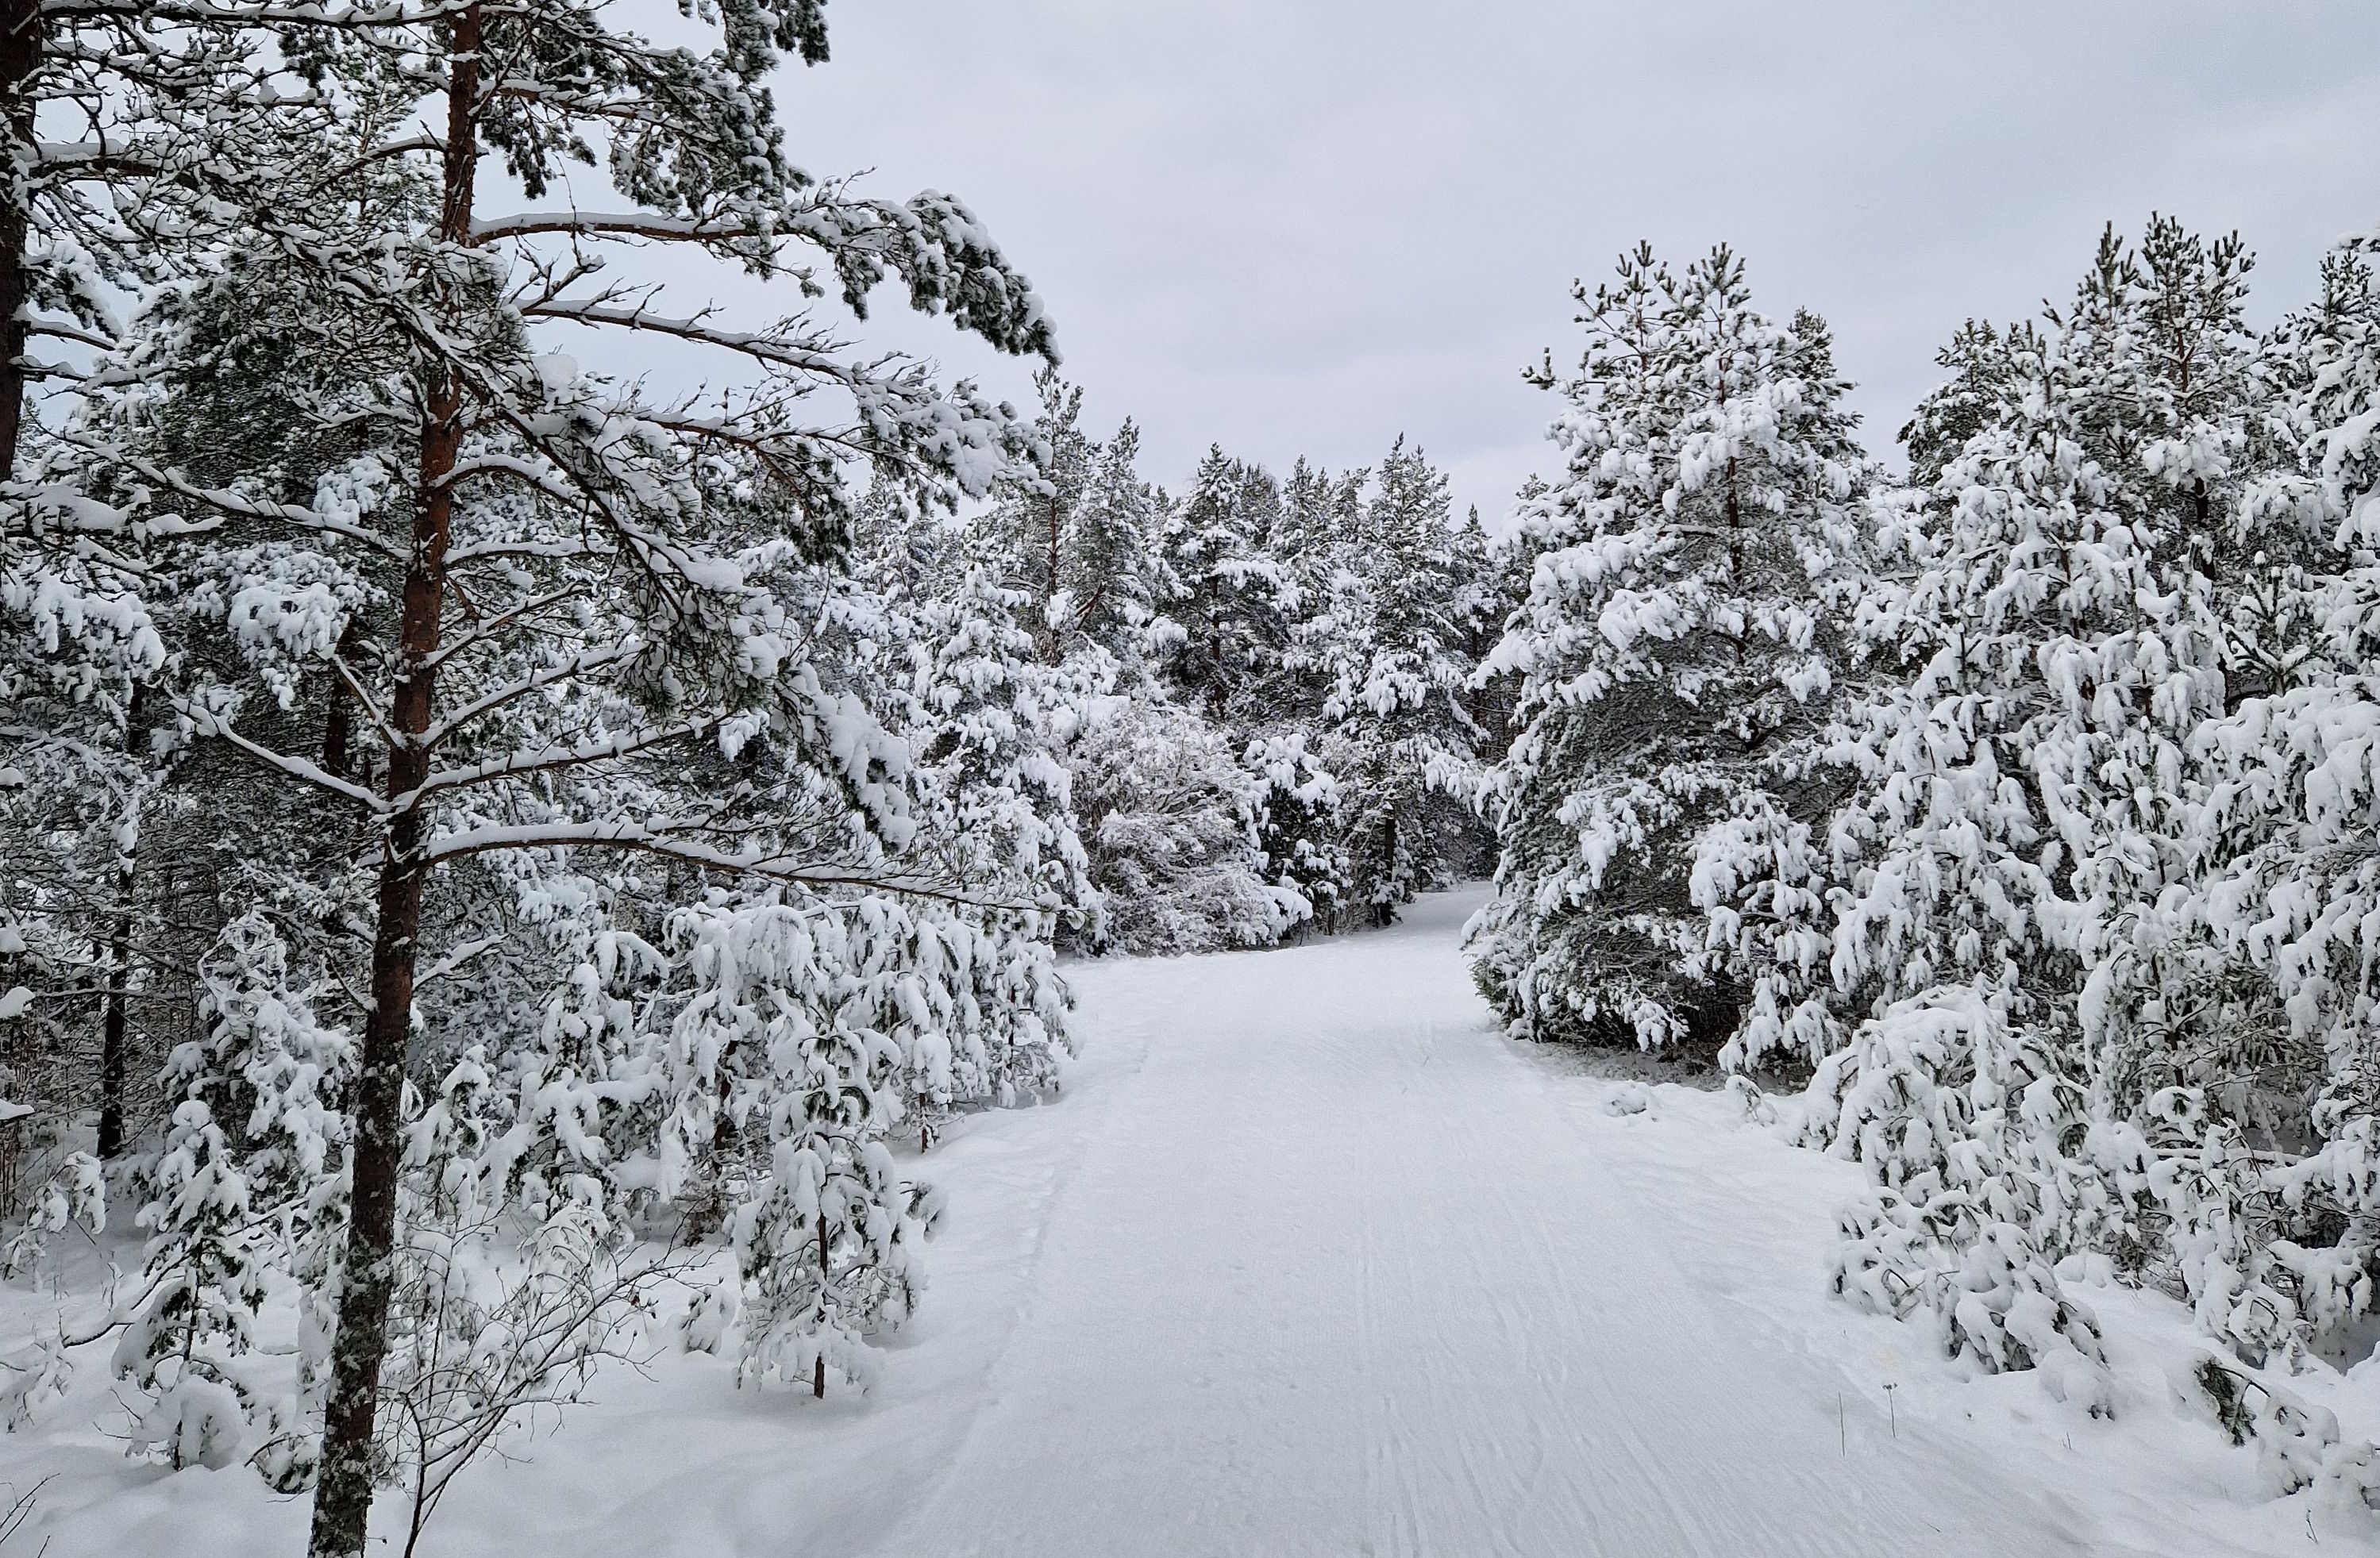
<point x="1308" y="1260"/>
<point x="1339" y="1273"/>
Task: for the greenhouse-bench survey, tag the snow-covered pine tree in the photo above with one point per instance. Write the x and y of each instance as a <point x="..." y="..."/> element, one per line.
<point x="1077" y="533"/>
<point x="1177" y="626"/>
<point x="982" y="1017"/>
<point x="135" y="135"/>
<point x="1387" y="642"/>
<point x="1317" y="510"/>
<point x="1301" y="818"/>
<point x="1962" y="405"/>
<point x="1299" y="830"/>
<point x="584" y="581"/>
<point x="2020" y="792"/>
<point x="1961" y="1128"/>
<point x="772" y="1047"/>
<point x="2024" y="821"/>
<point x="1487" y="589"/>
<point x="1231" y="598"/>
<point x="2273" y="936"/>
<point x="1119" y="575"/>
<point x="1674" y="655"/>
<point x="251" y="1169"/>
<point x="133" y="140"/>
<point x="1026" y="535"/>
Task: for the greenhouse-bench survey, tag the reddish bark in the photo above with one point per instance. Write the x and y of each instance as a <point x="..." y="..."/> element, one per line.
<point x="342" y="1493"/>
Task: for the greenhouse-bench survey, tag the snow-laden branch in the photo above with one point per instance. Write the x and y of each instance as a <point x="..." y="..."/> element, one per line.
<point x="759" y="345"/>
<point x="537" y="480"/>
<point x="68" y="332"/>
<point x="487" y="703"/>
<point x="514" y="764"/>
<point x="372" y="710"/>
<point x="632" y="225"/>
<point x="246" y="507"/>
<point x="544" y="550"/>
<point x="750" y="862"/>
<point x="211" y="13"/>
<point x="456" y="959"/>
<point x="489" y="626"/>
<point x="208" y="723"/>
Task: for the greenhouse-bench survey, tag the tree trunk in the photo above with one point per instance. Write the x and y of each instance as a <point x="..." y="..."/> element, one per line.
<point x="114" y="1023"/>
<point x="817" y="1364"/>
<point x="113" y="1038"/>
<point x="338" y="711"/>
<point x="20" y="59"/>
<point x="344" y="1492"/>
<point x="1046" y="631"/>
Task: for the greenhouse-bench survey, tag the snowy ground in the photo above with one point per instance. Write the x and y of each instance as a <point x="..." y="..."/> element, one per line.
<point x="1310" y="1261"/>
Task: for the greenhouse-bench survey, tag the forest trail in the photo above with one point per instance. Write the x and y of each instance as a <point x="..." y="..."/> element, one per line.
<point x="1337" y="1271"/>
<point x="1308" y="1260"/>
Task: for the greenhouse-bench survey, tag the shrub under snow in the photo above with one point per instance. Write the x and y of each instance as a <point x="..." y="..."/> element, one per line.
<point x="1169" y="821"/>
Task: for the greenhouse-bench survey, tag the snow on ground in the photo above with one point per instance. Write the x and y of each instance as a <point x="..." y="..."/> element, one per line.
<point x="1308" y="1260"/>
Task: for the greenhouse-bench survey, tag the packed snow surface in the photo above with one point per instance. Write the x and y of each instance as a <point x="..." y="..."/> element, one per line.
<point x="1308" y="1259"/>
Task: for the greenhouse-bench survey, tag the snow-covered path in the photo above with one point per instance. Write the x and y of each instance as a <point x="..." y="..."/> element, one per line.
<point x="1337" y="1273"/>
<point x="1309" y="1260"/>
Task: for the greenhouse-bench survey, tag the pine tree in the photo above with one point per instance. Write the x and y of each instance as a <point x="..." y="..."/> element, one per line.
<point x="1229" y="597"/>
<point x="1299" y="827"/>
<point x="2028" y="785"/>
<point x="772" y="1046"/>
<point x="1387" y="648"/>
<point x="2026" y="826"/>
<point x="1674" y="655"/>
<point x="251" y="1168"/>
<point x="585" y="582"/>
<point x="1076" y="536"/>
<point x="1119" y="578"/>
<point x="2278" y="1258"/>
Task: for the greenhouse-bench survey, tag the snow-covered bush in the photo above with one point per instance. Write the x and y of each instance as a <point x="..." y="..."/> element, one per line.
<point x="776" y="1058"/>
<point x="2298" y="1444"/>
<point x="1170" y="822"/>
<point x="1960" y="1124"/>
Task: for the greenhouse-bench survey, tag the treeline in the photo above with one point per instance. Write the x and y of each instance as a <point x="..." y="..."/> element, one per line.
<point x="2030" y="807"/>
<point x="1281" y="722"/>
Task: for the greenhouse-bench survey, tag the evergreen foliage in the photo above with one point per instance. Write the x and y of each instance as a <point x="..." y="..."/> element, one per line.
<point x="2027" y="805"/>
<point x="1676" y="657"/>
<point x="483" y="840"/>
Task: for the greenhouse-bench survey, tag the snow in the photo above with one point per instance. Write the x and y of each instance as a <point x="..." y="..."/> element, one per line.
<point x="1307" y="1259"/>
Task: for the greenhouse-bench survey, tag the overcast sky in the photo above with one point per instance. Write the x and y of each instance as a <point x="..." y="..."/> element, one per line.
<point x="1305" y="227"/>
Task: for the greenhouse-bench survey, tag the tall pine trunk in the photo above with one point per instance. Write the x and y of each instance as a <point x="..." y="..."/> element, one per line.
<point x="343" y="1495"/>
<point x="115" y="1024"/>
<point x="20" y="60"/>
